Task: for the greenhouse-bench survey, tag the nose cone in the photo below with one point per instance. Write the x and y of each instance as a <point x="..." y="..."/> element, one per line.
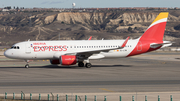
<point x="8" y="54"/>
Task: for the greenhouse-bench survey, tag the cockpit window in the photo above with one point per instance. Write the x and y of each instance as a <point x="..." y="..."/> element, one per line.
<point x="15" y="47"/>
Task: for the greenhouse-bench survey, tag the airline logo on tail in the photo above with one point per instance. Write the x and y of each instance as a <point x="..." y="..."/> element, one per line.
<point x="156" y="30"/>
<point x="152" y="39"/>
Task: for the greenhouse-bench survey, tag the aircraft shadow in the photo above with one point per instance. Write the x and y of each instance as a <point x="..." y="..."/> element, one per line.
<point x="70" y="67"/>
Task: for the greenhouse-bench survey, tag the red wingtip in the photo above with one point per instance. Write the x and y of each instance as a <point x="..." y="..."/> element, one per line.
<point x="90" y="38"/>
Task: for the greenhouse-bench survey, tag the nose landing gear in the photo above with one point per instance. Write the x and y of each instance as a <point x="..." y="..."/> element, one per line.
<point x="27" y="65"/>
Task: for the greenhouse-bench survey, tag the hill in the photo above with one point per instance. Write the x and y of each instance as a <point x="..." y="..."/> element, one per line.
<point x="21" y="26"/>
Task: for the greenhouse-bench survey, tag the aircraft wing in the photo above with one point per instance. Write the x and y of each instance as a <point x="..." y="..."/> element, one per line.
<point x="86" y="54"/>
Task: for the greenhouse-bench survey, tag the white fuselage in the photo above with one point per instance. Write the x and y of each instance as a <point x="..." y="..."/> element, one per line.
<point x="54" y="49"/>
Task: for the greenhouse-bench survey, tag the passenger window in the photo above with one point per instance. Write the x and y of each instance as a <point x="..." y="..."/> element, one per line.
<point x="17" y="47"/>
<point x="14" y="47"/>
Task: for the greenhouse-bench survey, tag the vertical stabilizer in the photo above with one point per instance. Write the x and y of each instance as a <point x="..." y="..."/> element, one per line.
<point x="156" y="30"/>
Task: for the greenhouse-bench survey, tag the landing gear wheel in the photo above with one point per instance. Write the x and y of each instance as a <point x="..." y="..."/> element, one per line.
<point x="88" y="65"/>
<point x="81" y="64"/>
<point x="27" y="66"/>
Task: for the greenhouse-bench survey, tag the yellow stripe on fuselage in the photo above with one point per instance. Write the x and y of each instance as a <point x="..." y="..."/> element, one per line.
<point x="161" y="16"/>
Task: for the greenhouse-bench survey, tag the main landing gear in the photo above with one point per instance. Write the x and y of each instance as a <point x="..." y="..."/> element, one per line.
<point x="81" y="64"/>
<point x="88" y="65"/>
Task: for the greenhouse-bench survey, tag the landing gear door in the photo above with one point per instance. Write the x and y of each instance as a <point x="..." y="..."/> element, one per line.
<point x="28" y="48"/>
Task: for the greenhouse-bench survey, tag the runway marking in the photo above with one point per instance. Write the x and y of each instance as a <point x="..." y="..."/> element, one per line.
<point x="106" y="90"/>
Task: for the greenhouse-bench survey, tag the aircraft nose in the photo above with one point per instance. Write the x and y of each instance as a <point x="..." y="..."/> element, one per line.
<point x="7" y="53"/>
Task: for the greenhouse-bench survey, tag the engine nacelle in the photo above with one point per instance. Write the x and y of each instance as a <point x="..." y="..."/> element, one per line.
<point x="65" y="60"/>
<point x="56" y="61"/>
<point x="68" y="60"/>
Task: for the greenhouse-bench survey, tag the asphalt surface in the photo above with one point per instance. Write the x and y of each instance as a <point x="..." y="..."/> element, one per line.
<point x="145" y="73"/>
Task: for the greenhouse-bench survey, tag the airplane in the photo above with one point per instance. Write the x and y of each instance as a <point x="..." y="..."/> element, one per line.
<point x="71" y="52"/>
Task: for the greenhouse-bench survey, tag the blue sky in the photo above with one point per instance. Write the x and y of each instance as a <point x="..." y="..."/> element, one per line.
<point x="89" y="3"/>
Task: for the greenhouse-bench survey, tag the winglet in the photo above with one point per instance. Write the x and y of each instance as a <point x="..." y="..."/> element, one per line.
<point x="125" y="42"/>
<point x="90" y="38"/>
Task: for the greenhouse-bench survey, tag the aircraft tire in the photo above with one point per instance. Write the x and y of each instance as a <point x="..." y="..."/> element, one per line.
<point x="81" y="64"/>
<point x="27" y="66"/>
<point x="88" y="65"/>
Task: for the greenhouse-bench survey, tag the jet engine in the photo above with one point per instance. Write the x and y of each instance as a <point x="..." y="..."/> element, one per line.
<point x="68" y="60"/>
<point x="65" y="60"/>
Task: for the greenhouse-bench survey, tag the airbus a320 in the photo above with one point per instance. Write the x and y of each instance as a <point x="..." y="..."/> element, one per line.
<point x="81" y="51"/>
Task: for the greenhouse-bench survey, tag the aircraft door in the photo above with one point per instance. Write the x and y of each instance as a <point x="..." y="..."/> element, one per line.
<point x="28" y="48"/>
<point x="139" y="46"/>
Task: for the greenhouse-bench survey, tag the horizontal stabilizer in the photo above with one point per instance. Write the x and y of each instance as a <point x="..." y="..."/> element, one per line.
<point x="164" y="44"/>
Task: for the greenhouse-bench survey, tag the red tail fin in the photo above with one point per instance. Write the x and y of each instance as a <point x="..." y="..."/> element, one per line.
<point x="156" y="30"/>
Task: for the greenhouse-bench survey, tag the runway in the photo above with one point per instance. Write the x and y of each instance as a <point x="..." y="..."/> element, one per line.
<point x="151" y="72"/>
